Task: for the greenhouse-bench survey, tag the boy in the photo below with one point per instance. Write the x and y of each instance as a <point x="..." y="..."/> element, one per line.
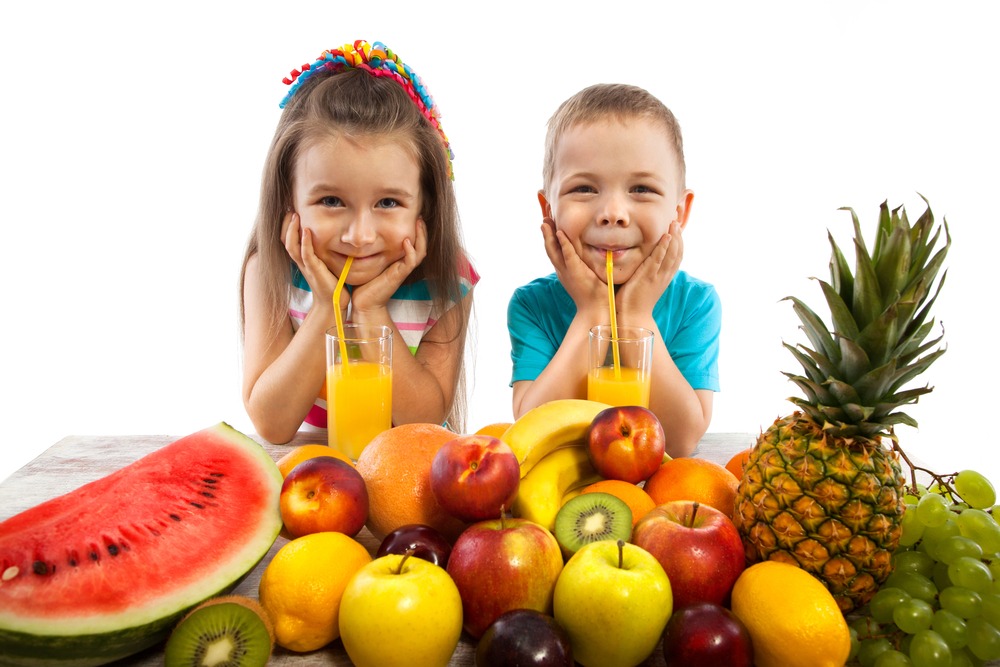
<point x="613" y="179"/>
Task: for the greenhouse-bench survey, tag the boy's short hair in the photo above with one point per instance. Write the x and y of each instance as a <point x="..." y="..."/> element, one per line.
<point x="609" y="100"/>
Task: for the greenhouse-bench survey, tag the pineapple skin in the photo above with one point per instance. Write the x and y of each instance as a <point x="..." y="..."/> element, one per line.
<point x="831" y="505"/>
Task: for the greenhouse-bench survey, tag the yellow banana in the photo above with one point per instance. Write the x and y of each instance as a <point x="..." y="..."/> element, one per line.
<point x="577" y="489"/>
<point x="549" y="426"/>
<point x="541" y="491"/>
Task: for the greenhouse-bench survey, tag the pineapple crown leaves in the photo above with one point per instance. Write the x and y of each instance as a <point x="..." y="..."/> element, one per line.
<point x="855" y="371"/>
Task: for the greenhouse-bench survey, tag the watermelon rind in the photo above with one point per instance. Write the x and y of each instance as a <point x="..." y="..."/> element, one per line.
<point x="87" y="637"/>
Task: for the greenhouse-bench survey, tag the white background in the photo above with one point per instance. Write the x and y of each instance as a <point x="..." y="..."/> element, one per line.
<point x="133" y="136"/>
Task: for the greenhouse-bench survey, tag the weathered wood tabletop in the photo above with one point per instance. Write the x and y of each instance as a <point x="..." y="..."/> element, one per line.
<point x="76" y="460"/>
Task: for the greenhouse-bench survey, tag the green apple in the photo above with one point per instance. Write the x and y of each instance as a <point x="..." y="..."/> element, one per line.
<point x="400" y="610"/>
<point x="614" y="600"/>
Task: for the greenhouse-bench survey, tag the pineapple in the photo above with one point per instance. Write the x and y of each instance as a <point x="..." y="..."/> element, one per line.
<point x="823" y="487"/>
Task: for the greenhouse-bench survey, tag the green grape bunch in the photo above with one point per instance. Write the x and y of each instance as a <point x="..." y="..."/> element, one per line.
<point x="940" y="607"/>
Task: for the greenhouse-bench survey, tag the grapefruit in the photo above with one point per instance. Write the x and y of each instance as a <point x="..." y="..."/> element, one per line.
<point x="396" y="466"/>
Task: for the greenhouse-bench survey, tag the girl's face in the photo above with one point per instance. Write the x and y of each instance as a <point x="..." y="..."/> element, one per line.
<point x="615" y="186"/>
<point x="360" y="197"/>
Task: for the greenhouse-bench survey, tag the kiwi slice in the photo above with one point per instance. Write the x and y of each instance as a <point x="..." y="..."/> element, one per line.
<point x="228" y="631"/>
<point x="591" y="517"/>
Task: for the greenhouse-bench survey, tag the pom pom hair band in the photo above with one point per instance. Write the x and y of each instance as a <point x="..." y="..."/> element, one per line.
<point x="378" y="60"/>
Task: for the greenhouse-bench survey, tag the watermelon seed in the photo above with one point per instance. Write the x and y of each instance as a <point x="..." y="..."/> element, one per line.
<point x="93" y="555"/>
<point x="198" y="505"/>
<point x="207" y="494"/>
<point x="209" y="480"/>
<point x="175" y="517"/>
<point x="39" y="567"/>
<point x="218" y="474"/>
<point x="10" y="573"/>
<point x="113" y="549"/>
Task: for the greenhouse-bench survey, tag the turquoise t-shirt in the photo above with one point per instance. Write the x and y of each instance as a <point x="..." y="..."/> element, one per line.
<point x="688" y="316"/>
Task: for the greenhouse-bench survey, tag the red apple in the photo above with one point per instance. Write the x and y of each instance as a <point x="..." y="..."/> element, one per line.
<point x="323" y="494"/>
<point x="697" y="545"/>
<point x="473" y="477"/>
<point x="503" y="564"/>
<point x="626" y="442"/>
<point x="419" y="540"/>
<point x="706" y="635"/>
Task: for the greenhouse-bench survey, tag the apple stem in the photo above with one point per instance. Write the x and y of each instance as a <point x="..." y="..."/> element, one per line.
<point x="694" y="511"/>
<point x="406" y="554"/>
<point x="503" y="516"/>
<point x="621" y="553"/>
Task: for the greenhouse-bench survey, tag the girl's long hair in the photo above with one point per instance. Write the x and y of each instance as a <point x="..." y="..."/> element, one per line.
<point x="355" y="103"/>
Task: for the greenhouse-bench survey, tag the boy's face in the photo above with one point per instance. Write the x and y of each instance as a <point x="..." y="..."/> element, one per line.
<point x="615" y="186"/>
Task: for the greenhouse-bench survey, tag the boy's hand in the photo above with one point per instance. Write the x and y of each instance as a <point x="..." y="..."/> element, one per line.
<point x="298" y="243"/>
<point x="375" y="294"/>
<point x="653" y="276"/>
<point x="582" y="284"/>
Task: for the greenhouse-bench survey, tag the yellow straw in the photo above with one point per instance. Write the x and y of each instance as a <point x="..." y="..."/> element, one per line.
<point x="336" y="309"/>
<point x="614" y="318"/>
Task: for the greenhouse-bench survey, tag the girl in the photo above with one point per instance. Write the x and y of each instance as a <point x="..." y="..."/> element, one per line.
<point x="359" y="167"/>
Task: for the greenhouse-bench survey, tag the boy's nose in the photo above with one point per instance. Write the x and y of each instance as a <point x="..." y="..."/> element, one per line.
<point x="613" y="211"/>
<point x="360" y="232"/>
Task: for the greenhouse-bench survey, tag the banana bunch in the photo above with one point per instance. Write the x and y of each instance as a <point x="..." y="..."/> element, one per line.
<point x="550" y="442"/>
<point x="561" y="423"/>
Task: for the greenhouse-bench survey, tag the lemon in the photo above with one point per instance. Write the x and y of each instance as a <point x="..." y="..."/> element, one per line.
<point x="302" y="586"/>
<point x="792" y="618"/>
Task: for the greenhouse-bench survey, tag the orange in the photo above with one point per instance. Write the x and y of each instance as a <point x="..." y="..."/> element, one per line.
<point x="302" y="586"/>
<point x="738" y="462"/>
<point x="635" y="497"/>
<point x="303" y="452"/>
<point x="496" y="429"/>
<point x="396" y="466"/>
<point x="694" y="479"/>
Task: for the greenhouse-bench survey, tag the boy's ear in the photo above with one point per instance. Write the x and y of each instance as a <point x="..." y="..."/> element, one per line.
<point x="544" y="203"/>
<point x="684" y="207"/>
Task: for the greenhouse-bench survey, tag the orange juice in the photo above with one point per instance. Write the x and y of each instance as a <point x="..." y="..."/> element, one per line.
<point x="358" y="404"/>
<point x="630" y="388"/>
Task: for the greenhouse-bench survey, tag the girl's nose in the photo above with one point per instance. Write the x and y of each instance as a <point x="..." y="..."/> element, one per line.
<point x="613" y="211"/>
<point x="360" y="232"/>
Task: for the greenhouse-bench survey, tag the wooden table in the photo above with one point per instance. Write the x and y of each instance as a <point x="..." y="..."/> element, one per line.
<point x="76" y="460"/>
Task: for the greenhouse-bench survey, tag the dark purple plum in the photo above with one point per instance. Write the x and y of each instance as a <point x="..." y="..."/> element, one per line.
<point x="526" y="638"/>
<point x="705" y="634"/>
<point x="425" y="541"/>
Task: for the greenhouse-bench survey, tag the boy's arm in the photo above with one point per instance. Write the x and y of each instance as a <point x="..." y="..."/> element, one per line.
<point x="565" y="376"/>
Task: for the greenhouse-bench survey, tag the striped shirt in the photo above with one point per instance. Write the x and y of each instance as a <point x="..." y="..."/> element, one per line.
<point x="411" y="309"/>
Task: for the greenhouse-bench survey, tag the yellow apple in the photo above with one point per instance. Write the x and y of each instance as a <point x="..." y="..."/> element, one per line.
<point x="400" y="610"/>
<point x="614" y="599"/>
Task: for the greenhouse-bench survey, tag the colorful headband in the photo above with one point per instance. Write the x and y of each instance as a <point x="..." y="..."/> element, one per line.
<point x="377" y="60"/>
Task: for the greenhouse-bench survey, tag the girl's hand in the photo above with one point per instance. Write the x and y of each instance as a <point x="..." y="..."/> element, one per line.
<point x="582" y="284"/>
<point x="299" y="244"/>
<point x="653" y="276"/>
<point x="375" y="294"/>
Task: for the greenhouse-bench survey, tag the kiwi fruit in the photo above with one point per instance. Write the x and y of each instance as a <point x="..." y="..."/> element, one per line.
<point x="591" y="517"/>
<point x="227" y="631"/>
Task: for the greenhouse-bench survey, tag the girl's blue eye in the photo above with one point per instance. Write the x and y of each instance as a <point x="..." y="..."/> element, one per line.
<point x="387" y="203"/>
<point x="331" y="201"/>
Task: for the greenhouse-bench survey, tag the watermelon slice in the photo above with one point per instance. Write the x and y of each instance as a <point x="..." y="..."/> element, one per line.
<point x="108" y="569"/>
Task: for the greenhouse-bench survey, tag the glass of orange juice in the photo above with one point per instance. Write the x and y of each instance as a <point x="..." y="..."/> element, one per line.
<point x="358" y="385"/>
<point x="622" y="376"/>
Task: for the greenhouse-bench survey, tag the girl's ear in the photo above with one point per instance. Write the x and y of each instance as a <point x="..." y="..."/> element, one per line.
<point x="684" y="208"/>
<point x="544" y="203"/>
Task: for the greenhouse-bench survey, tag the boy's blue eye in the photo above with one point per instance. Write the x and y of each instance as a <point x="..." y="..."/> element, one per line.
<point x="642" y="189"/>
<point x="331" y="201"/>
